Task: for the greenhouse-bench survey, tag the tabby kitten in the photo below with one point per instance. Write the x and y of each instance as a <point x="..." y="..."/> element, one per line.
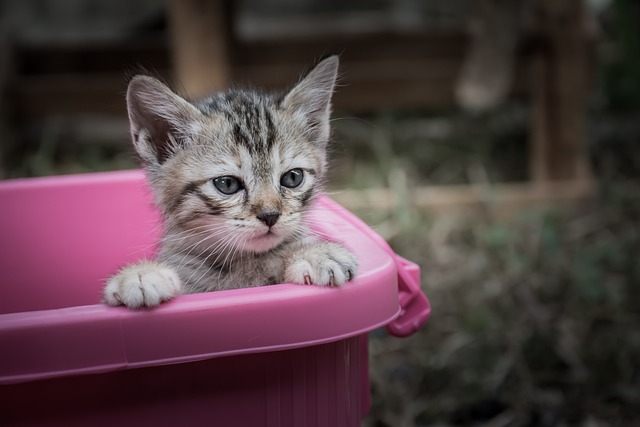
<point x="234" y="176"/>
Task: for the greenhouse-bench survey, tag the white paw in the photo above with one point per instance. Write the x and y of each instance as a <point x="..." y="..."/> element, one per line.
<point x="322" y="264"/>
<point x="145" y="284"/>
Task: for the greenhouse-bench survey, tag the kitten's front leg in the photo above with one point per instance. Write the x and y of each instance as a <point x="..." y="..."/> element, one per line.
<point x="320" y="263"/>
<point x="145" y="284"/>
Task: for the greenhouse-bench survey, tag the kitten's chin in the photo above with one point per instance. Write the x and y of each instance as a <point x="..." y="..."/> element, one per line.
<point x="262" y="243"/>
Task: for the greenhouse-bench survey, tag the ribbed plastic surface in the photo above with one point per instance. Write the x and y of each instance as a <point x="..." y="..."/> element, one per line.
<point x="318" y="386"/>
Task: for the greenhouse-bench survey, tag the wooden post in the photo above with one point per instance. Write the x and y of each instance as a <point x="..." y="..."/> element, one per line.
<point x="559" y="80"/>
<point x="200" y="35"/>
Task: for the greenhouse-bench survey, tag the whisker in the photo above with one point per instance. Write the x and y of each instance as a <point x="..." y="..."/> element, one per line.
<point x="198" y="243"/>
<point x="168" y="238"/>
<point x="193" y="230"/>
<point x="229" y="243"/>
<point x="219" y="231"/>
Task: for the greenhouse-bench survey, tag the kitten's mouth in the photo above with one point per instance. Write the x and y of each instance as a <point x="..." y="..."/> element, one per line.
<point x="264" y="241"/>
<point x="267" y="234"/>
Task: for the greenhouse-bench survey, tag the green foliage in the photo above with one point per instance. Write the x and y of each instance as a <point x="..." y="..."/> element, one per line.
<point x="535" y="321"/>
<point x="621" y="82"/>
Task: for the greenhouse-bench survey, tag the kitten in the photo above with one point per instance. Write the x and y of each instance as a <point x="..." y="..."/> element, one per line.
<point x="234" y="176"/>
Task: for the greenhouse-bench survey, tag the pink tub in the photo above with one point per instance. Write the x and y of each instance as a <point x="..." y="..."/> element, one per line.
<point x="283" y="355"/>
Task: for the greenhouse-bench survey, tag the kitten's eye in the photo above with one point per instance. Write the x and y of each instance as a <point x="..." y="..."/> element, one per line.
<point x="227" y="184"/>
<point x="292" y="178"/>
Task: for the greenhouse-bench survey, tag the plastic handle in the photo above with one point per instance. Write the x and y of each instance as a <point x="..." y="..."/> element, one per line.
<point x="415" y="308"/>
<point x="414" y="305"/>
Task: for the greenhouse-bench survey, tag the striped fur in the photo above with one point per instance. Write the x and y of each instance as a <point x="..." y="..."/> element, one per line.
<point x="255" y="236"/>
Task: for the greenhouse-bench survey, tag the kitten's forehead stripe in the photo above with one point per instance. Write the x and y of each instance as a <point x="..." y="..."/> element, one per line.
<point x="241" y="136"/>
<point x="271" y="130"/>
<point x="250" y="115"/>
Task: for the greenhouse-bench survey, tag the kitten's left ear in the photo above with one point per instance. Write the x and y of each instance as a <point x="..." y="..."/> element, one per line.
<point x="312" y="97"/>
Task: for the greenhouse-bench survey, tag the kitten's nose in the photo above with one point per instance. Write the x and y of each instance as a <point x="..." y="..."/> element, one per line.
<point x="269" y="217"/>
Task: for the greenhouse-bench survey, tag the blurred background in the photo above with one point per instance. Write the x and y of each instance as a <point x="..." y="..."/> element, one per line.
<point x="494" y="142"/>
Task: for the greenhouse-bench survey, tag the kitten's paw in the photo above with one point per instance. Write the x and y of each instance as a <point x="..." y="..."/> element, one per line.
<point x="145" y="284"/>
<point x="322" y="264"/>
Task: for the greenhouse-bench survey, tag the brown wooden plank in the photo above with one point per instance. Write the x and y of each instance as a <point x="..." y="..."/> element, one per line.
<point x="394" y="71"/>
<point x="390" y="47"/>
<point x="92" y="57"/>
<point x="113" y="56"/>
<point x="41" y="96"/>
<point x="501" y="199"/>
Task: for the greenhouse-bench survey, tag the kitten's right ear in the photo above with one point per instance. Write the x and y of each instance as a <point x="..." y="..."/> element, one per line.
<point x="312" y="97"/>
<point x="160" y="120"/>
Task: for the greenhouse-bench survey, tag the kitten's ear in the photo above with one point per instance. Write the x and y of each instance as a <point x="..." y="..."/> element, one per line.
<point x="312" y="96"/>
<point x="160" y="120"/>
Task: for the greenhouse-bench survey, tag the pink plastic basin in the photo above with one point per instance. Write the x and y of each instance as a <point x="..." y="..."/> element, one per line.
<point x="282" y="355"/>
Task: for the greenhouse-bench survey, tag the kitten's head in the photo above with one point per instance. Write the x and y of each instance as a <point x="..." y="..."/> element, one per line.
<point x="238" y="168"/>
